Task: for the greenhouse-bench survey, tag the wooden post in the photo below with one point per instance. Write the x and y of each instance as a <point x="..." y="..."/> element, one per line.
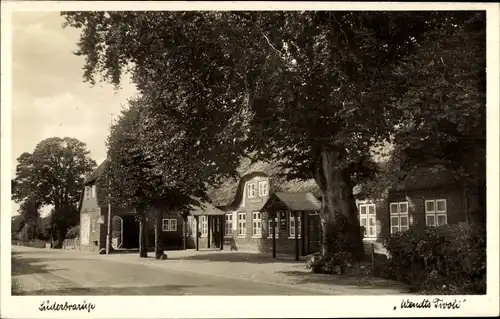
<point x="296" y="219"/>
<point x="303" y="232"/>
<point x="308" y="235"/>
<point x="273" y="223"/>
<point x="197" y="219"/>
<point x="209" y="237"/>
<point x="184" y="232"/>
<point x="373" y="257"/>
<point x="222" y="230"/>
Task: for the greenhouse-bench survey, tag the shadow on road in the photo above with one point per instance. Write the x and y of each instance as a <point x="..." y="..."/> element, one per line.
<point x="29" y="266"/>
<point x="365" y="282"/>
<point x="120" y="291"/>
<point x="26" y="266"/>
<point x="236" y="257"/>
<point x="33" y="250"/>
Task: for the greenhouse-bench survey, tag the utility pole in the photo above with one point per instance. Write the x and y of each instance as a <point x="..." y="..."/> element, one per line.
<point x="108" y="233"/>
<point x="33" y="221"/>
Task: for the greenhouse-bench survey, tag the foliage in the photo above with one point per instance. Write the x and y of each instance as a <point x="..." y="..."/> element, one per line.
<point x="38" y="228"/>
<point x="142" y="180"/>
<point x="30" y="210"/>
<point x="53" y="175"/>
<point x="73" y="232"/>
<point x="116" y="227"/>
<point x="443" y="109"/>
<point x="16" y="225"/>
<point x="316" y="90"/>
<point x="149" y="181"/>
<point x="27" y="233"/>
<point x="441" y="260"/>
<point x="44" y="228"/>
<point x="314" y="68"/>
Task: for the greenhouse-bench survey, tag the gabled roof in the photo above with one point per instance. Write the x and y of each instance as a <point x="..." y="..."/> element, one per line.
<point x="205" y="209"/>
<point x="425" y="177"/>
<point x="229" y="193"/>
<point x="98" y="172"/>
<point x="392" y="179"/>
<point x="301" y="201"/>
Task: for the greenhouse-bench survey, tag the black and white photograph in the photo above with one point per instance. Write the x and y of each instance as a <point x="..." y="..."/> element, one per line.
<point x="318" y="160"/>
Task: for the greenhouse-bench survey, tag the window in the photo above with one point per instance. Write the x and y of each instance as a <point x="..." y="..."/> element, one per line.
<point x="173" y="225"/>
<point x="87" y="191"/>
<point x="291" y="232"/>
<point x="256" y="224"/>
<point x="169" y="224"/>
<point x="270" y="227"/>
<point x="228" y="230"/>
<point x="263" y="188"/>
<point x="367" y="219"/>
<point x="435" y="212"/>
<point x="204" y="226"/>
<point x="242" y="224"/>
<point x="251" y="190"/>
<point x="399" y="217"/>
<point x="93" y="190"/>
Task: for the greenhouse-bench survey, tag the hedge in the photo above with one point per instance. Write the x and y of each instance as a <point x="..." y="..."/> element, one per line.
<point x="73" y="232"/>
<point x="36" y="243"/>
<point x="439" y="260"/>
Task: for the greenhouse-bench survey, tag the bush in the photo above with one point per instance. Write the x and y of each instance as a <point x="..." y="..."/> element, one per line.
<point x="439" y="260"/>
<point x="73" y="232"/>
<point x="36" y="243"/>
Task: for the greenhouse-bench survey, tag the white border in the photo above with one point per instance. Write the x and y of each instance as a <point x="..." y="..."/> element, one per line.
<point x="208" y="307"/>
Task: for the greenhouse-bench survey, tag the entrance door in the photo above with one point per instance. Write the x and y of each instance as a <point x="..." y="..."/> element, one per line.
<point x="216" y="231"/>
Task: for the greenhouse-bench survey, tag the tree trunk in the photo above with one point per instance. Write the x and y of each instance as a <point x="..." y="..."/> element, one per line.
<point x="143" y="236"/>
<point x="61" y="233"/>
<point x="339" y="222"/>
<point x="159" y="254"/>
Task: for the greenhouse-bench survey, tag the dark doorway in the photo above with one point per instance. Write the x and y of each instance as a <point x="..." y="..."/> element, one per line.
<point x="130" y="232"/>
<point x="314" y="234"/>
<point x="216" y="231"/>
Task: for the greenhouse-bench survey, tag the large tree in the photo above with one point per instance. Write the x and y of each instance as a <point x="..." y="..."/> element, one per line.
<point x="130" y="178"/>
<point x="54" y="175"/>
<point x="312" y="89"/>
<point x="148" y="180"/>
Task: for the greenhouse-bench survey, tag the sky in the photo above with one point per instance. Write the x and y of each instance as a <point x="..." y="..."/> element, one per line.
<point x="49" y="97"/>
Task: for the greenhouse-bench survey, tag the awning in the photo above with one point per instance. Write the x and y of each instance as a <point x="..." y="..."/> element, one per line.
<point x="206" y="209"/>
<point x="300" y="201"/>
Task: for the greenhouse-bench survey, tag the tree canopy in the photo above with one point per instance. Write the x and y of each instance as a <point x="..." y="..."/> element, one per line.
<point x="54" y="174"/>
<point x="444" y="105"/>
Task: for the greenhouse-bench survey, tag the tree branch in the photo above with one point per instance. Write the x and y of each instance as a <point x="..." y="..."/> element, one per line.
<point x="269" y="42"/>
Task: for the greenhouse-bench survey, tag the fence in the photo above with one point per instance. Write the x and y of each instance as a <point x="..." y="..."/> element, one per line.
<point x="73" y="243"/>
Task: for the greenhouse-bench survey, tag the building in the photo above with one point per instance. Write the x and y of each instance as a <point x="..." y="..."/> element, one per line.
<point x="428" y="197"/>
<point x="242" y="212"/>
<point x="243" y="223"/>
<point x="124" y="232"/>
